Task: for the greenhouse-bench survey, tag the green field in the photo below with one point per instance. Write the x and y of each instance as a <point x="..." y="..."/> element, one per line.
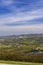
<point x="19" y="63"/>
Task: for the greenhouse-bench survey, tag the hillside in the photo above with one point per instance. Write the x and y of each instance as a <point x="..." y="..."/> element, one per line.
<point x="22" y="47"/>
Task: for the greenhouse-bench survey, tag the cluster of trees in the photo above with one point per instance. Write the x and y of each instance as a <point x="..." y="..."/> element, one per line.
<point x="18" y="55"/>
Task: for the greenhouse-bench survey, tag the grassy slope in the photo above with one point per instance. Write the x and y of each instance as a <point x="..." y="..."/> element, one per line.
<point x="19" y="63"/>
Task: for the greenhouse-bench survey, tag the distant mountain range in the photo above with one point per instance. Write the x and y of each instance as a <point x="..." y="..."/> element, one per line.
<point x="22" y="35"/>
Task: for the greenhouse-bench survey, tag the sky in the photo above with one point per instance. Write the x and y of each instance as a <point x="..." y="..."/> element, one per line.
<point x="21" y="17"/>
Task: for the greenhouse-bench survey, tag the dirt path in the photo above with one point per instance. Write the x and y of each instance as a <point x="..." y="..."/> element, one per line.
<point x="4" y="64"/>
<point x="7" y="64"/>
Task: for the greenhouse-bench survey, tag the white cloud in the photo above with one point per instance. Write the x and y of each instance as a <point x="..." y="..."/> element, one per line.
<point x="18" y="16"/>
<point x="6" y="2"/>
<point x="21" y="16"/>
<point x="37" y="28"/>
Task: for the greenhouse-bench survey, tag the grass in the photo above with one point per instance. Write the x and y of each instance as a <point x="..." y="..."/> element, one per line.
<point x="19" y="63"/>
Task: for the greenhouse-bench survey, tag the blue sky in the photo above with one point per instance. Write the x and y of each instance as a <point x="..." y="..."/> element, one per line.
<point x="21" y="17"/>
